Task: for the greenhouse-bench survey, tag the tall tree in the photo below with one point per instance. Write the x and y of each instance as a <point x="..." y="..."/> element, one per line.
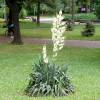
<point x="15" y="7"/>
<point x="38" y="12"/>
<point x="38" y="3"/>
<point x="88" y="2"/>
<point x="72" y="4"/>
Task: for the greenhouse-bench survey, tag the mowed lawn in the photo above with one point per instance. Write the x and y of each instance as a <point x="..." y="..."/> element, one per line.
<point x="30" y="29"/>
<point x="16" y="65"/>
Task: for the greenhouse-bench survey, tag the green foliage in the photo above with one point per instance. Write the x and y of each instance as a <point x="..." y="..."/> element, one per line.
<point x="88" y="16"/>
<point x="1" y="13"/>
<point x="89" y="29"/>
<point x="81" y="16"/>
<point x="23" y="13"/>
<point x="49" y="79"/>
<point x="98" y="11"/>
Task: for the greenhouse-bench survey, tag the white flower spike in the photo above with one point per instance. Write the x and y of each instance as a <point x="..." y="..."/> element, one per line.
<point x="44" y="52"/>
<point x="58" y="30"/>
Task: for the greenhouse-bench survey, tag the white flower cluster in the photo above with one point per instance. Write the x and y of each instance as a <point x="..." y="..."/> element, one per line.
<point x="57" y="33"/>
<point x="44" y="52"/>
<point x="57" y="30"/>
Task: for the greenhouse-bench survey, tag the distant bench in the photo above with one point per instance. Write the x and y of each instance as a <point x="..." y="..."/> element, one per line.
<point x="31" y="19"/>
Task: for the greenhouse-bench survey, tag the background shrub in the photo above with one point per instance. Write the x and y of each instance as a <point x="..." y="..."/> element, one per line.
<point x="89" y="29"/>
<point x="81" y="16"/>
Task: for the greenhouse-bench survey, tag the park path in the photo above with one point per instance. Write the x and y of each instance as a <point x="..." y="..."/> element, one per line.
<point x="74" y="43"/>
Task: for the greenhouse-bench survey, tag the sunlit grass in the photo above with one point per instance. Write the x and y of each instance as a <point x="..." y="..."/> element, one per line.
<point x="30" y="29"/>
<point x="16" y="65"/>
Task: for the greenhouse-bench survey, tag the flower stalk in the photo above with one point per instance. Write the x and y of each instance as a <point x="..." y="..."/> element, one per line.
<point x="58" y="30"/>
<point x="44" y="52"/>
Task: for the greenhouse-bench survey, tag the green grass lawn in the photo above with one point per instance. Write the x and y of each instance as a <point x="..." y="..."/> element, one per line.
<point x="29" y="29"/>
<point x="16" y="65"/>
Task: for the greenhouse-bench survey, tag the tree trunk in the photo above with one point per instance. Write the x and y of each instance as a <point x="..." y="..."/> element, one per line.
<point x="17" y="34"/>
<point x="10" y="18"/>
<point x="88" y="6"/>
<point x="73" y="10"/>
<point x="38" y="13"/>
<point x="9" y="21"/>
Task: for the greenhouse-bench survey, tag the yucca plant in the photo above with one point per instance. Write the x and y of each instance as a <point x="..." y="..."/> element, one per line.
<point x="49" y="79"/>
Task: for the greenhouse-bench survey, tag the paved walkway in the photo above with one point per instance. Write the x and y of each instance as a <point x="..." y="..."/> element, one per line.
<point x="74" y="43"/>
<point x="50" y="20"/>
